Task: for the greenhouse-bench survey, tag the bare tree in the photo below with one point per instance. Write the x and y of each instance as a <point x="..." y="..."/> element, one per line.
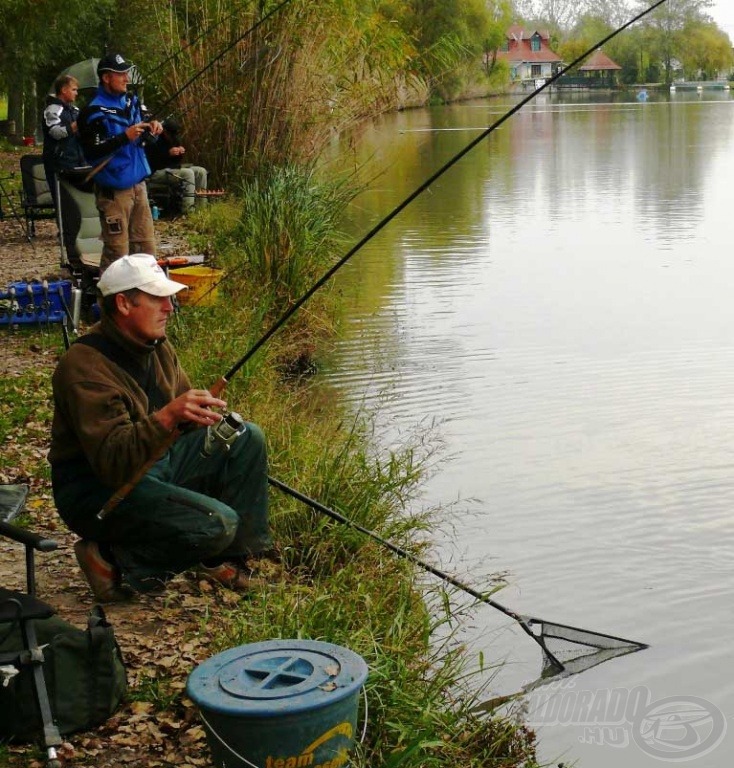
<point x="557" y="15"/>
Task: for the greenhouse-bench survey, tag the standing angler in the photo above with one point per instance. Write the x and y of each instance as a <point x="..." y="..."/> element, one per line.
<point x="112" y="129"/>
<point x="61" y="149"/>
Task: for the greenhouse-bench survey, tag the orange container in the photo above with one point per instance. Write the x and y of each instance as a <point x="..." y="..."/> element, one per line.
<point x="203" y="284"/>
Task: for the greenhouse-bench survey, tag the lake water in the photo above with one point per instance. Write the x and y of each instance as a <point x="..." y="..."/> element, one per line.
<point x="562" y="302"/>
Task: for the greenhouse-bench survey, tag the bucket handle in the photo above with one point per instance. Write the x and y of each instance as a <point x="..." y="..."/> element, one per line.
<point x="224" y="743"/>
<point x="251" y="764"/>
<point x="366" y="709"/>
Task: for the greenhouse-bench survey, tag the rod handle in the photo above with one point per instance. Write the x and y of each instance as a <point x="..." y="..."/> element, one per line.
<point x="218" y="387"/>
<point x="122" y="492"/>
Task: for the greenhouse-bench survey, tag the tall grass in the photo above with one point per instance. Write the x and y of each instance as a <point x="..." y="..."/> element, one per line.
<point x="287" y="229"/>
<point x="284" y="89"/>
<point x="279" y="235"/>
<point x="341" y="586"/>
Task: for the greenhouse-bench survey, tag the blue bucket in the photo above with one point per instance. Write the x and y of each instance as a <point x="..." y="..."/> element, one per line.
<point x="280" y="704"/>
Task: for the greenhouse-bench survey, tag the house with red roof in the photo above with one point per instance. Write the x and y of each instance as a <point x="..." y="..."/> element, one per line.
<point x="529" y="55"/>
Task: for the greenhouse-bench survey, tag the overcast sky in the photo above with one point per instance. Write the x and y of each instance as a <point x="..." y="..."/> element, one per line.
<point x="723" y="13"/>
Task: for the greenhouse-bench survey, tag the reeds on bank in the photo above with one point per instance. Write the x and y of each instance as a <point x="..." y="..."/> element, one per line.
<point x="341" y="586"/>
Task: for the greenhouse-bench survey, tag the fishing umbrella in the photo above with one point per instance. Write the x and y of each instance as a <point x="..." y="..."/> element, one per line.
<point x="86" y="73"/>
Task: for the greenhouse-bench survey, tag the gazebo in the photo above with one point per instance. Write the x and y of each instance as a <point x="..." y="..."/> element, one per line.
<point x="601" y="68"/>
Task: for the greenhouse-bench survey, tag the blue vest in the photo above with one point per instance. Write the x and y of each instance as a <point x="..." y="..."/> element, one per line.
<point x="128" y="165"/>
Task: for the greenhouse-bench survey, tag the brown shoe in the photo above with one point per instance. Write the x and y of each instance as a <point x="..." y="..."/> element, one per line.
<point x="230" y="576"/>
<point x="103" y="577"/>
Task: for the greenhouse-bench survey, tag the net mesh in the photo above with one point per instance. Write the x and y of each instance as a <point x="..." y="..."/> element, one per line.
<point x="576" y="649"/>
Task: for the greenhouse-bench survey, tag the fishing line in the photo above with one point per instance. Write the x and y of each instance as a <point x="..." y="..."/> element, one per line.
<point x="278" y="324"/>
<point x="220" y="55"/>
<point x="222" y="382"/>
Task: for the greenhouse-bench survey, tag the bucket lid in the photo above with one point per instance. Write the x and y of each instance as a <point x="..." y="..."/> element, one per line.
<point x="276" y="677"/>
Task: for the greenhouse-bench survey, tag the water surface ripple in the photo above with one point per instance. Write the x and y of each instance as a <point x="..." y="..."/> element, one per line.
<point x="560" y="303"/>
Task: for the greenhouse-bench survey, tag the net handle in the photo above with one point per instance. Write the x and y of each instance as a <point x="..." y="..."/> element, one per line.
<point x="526" y="622"/>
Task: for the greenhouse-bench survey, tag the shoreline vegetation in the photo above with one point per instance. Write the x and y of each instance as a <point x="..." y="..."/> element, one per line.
<point x="337" y="585"/>
<point x="264" y="121"/>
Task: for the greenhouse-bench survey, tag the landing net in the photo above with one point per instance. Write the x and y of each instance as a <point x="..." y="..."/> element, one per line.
<point x="570" y="650"/>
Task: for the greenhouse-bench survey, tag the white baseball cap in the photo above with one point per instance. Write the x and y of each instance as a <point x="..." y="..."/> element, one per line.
<point x="138" y="270"/>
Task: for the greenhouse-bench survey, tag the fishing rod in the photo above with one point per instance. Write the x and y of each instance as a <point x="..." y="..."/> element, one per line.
<point x="222" y="382"/>
<point x="540" y="630"/>
<point x="183" y="48"/>
<point x="219" y="56"/>
<point x="97" y="168"/>
<point x="278" y="324"/>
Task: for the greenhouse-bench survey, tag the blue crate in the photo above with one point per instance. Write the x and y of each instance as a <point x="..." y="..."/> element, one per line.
<point x="24" y="303"/>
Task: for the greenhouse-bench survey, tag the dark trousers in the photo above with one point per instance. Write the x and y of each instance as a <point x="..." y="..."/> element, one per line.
<point x="186" y="509"/>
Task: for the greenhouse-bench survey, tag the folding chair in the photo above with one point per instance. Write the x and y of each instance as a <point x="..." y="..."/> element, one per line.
<point x="35" y="196"/>
<point x="167" y="191"/>
<point x="80" y="231"/>
<point x="22" y="609"/>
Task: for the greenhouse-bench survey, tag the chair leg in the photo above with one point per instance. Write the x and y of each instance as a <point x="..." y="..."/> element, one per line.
<point x="51" y="735"/>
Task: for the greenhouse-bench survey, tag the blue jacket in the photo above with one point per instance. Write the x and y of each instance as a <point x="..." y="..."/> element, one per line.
<point x="102" y="125"/>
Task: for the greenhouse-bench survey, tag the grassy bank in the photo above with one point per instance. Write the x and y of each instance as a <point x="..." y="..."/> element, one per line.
<point x="340" y="587"/>
<point x="347" y="589"/>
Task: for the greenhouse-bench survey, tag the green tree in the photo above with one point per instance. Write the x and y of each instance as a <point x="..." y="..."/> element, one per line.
<point x="668" y="29"/>
<point x="632" y="53"/>
<point x="707" y="52"/>
<point x="37" y="40"/>
<point x="502" y="16"/>
<point x="593" y="27"/>
<point x="451" y="36"/>
<point x="588" y="30"/>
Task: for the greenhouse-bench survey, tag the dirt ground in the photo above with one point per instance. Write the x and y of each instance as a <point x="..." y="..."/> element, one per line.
<point x="161" y="637"/>
<point x="28" y="259"/>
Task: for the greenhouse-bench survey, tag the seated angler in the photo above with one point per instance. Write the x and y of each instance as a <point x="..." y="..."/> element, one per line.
<point x="165" y="157"/>
<point x="119" y="393"/>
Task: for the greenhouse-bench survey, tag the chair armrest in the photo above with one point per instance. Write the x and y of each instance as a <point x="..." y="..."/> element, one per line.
<point x="28" y="538"/>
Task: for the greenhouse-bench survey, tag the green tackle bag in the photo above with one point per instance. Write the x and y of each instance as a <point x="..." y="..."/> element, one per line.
<point x="84" y="672"/>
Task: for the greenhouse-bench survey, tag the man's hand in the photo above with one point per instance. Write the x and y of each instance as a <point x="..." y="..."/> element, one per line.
<point x="136" y="131"/>
<point x="193" y="406"/>
<point x="176" y="151"/>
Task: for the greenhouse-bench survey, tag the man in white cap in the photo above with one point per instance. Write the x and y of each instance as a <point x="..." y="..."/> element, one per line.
<point x="112" y="129"/>
<point x="119" y="392"/>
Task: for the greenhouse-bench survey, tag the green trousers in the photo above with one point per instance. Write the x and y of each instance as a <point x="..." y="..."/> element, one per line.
<point x="185" y="509"/>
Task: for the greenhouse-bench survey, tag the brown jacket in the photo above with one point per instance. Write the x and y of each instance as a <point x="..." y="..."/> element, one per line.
<point x="101" y="412"/>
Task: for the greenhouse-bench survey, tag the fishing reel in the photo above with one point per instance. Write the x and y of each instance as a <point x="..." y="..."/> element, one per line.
<point x="147" y="137"/>
<point x="223" y="433"/>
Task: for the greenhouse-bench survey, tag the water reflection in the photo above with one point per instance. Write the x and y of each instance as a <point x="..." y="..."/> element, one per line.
<point x="561" y="300"/>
